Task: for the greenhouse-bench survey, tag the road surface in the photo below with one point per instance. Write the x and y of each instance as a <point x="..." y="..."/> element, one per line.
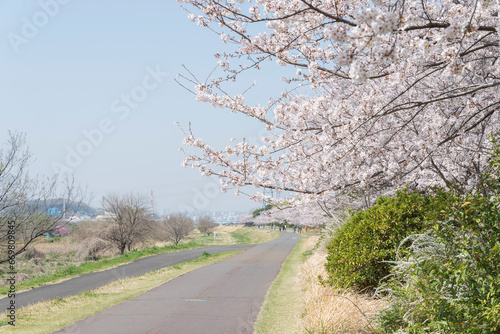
<point x="225" y="297"/>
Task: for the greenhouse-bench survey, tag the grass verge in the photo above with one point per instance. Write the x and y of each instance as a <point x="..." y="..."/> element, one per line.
<point x="247" y="235"/>
<point x="331" y="310"/>
<point x="53" y="315"/>
<point x="92" y="266"/>
<point x="281" y="312"/>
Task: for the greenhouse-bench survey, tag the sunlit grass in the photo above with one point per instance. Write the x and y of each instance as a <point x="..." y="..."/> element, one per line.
<point x="248" y="235"/>
<point x="329" y="310"/>
<point x="283" y="304"/>
<point x="297" y="303"/>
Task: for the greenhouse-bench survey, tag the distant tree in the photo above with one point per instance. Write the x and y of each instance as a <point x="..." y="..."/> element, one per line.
<point x="30" y="207"/>
<point x="130" y="219"/>
<point x="257" y="212"/>
<point x="246" y="219"/>
<point x="206" y="225"/>
<point x="177" y="227"/>
<point x="60" y="231"/>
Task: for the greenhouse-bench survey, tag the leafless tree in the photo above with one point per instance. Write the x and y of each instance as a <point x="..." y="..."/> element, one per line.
<point x="30" y="207"/>
<point x="206" y="225"/>
<point x="131" y="222"/>
<point x="177" y="227"/>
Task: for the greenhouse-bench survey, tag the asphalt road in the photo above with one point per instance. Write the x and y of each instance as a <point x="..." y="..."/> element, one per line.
<point x="225" y="297"/>
<point x="94" y="280"/>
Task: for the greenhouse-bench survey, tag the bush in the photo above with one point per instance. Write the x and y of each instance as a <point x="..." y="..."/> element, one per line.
<point x="359" y="252"/>
<point x="177" y="227"/>
<point x="206" y="225"/>
<point x="155" y="233"/>
<point x="92" y="249"/>
<point x="33" y="253"/>
<point x="449" y="282"/>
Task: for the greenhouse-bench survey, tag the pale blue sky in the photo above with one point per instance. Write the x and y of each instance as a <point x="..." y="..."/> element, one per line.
<point x="69" y="75"/>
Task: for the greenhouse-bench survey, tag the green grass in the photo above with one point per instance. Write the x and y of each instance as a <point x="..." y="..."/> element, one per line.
<point x="241" y="238"/>
<point x="91" y="266"/>
<point x="248" y="235"/>
<point x="282" y="307"/>
<point x="47" y="317"/>
<point x="54" y="239"/>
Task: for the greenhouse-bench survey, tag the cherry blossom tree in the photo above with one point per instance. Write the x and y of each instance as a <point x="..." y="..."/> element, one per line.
<point x="381" y="93"/>
<point x="245" y="218"/>
<point x="307" y="214"/>
<point x="264" y="218"/>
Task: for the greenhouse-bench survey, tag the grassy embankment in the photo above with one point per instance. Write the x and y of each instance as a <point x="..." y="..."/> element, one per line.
<point x="298" y="303"/>
<point x="47" y="317"/>
<point x="283" y="304"/>
<point x="253" y="235"/>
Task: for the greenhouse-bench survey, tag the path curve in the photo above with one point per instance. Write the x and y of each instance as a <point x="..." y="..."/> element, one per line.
<point x="224" y="297"/>
<point x="95" y="280"/>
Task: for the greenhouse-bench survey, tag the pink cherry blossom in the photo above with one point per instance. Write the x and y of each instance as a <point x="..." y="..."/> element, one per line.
<point x="392" y="94"/>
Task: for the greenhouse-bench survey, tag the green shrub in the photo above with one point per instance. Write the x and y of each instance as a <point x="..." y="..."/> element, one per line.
<point x="361" y="247"/>
<point x="449" y="282"/>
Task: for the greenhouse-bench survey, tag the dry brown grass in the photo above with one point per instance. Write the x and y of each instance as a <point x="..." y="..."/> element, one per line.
<point x="223" y="236"/>
<point x="327" y="310"/>
<point x="227" y="228"/>
<point x="62" y="247"/>
<point x="93" y="248"/>
<point x="33" y="253"/>
<point x="311" y="242"/>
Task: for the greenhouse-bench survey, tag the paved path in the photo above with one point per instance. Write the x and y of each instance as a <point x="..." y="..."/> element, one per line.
<point x="94" y="280"/>
<point x="225" y="297"/>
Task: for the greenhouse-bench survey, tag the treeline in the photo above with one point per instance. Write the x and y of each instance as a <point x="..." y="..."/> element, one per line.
<point x="129" y="223"/>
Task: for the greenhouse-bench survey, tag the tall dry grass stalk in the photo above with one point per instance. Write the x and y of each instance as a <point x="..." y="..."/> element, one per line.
<point x="63" y="247"/>
<point x="328" y="310"/>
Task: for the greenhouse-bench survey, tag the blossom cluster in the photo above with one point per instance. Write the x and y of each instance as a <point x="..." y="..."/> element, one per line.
<point x="401" y="93"/>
